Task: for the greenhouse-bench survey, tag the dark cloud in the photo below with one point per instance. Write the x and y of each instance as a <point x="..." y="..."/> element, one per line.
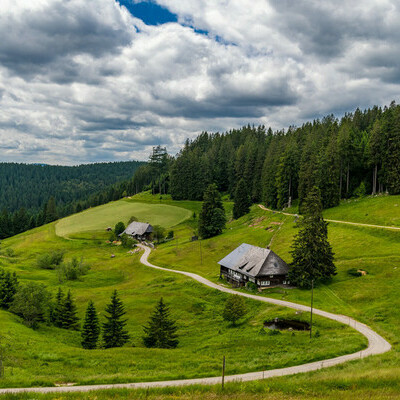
<point x="33" y="39"/>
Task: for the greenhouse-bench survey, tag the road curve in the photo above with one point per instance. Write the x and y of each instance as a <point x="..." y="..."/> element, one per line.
<point x="394" y="228"/>
<point x="376" y="345"/>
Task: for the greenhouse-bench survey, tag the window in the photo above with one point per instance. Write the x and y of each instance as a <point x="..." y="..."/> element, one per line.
<point x="265" y="283"/>
<point x="284" y="282"/>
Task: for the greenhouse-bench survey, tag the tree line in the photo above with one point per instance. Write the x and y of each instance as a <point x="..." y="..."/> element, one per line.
<point x="32" y="195"/>
<point x="352" y="156"/>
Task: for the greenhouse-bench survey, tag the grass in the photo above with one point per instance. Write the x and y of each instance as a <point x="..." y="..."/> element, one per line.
<point x="50" y="355"/>
<point x="99" y="218"/>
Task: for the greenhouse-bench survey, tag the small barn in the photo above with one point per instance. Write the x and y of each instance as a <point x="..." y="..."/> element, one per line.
<point x="138" y="230"/>
<point x="249" y="263"/>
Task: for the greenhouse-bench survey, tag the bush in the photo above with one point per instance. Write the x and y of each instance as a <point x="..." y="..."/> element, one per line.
<point x="158" y="232"/>
<point x="170" y="235"/>
<point x="251" y="287"/>
<point x="127" y="241"/>
<point x="32" y="303"/>
<point x="119" y="228"/>
<point x="72" y="270"/>
<point x="50" y="260"/>
<point x="235" y="308"/>
<point x="274" y="332"/>
<point x="361" y="191"/>
<point x="9" y="252"/>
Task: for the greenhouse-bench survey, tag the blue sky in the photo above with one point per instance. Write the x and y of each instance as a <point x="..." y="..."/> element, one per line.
<point x="149" y="12"/>
<point x="105" y="80"/>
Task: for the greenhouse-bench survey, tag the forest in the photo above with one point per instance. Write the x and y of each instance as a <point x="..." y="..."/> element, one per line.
<point x="353" y="156"/>
<point x="34" y="194"/>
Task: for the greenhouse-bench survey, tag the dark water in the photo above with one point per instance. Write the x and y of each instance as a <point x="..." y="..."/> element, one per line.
<point x="284" y="324"/>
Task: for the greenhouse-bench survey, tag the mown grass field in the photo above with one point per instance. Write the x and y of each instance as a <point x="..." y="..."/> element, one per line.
<point x="50" y="355"/>
<point x="99" y="218"/>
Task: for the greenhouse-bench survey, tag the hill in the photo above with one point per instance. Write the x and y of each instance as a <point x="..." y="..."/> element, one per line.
<point x="51" y="355"/>
<point x="31" y="185"/>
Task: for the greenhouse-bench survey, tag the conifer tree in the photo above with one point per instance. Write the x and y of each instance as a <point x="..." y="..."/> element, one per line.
<point x="114" y="334"/>
<point x="242" y="200"/>
<point x="212" y="218"/>
<point x="312" y="253"/>
<point x="68" y="318"/>
<point x="58" y="309"/>
<point x="51" y="210"/>
<point x="161" y="329"/>
<point x="8" y="288"/>
<point x="91" y="328"/>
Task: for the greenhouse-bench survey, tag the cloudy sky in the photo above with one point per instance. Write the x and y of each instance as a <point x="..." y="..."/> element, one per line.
<point x="100" y="80"/>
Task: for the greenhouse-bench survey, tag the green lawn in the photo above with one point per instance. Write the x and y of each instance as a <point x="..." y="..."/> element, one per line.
<point x="99" y="218"/>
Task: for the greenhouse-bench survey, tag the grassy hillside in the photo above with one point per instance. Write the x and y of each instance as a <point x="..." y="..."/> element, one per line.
<point x="50" y="355"/>
<point x="99" y="218"/>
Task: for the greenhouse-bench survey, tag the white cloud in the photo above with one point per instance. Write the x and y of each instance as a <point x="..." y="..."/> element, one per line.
<point x="86" y="81"/>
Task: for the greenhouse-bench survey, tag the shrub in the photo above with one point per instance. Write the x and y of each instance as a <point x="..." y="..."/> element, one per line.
<point x="273" y="332"/>
<point x="158" y="232"/>
<point x="50" y="260"/>
<point x="32" y="303"/>
<point x="170" y="235"/>
<point x="119" y="228"/>
<point x="9" y="252"/>
<point x="127" y="241"/>
<point x="251" y="287"/>
<point x="235" y="308"/>
<point x="361" y="191"/>
<point x="72" y="270"/>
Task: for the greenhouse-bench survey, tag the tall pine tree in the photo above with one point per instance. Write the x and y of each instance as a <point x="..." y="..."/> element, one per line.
<point x="91" y="328"/>
<point x="114" y="333"/>
<point x="312" y="253"/>
<point x="161" y="329"/>
<point x="69" y="318"/>
<point x="212" y="218"/>
<point x="242" y="200"/>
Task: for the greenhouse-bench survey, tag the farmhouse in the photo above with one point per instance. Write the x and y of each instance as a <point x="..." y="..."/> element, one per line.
<point x="138" y="230"/>
<point x="249" y="263"/>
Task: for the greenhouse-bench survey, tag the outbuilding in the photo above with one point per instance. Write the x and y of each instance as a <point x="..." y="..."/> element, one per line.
<point x="259" y="265"/>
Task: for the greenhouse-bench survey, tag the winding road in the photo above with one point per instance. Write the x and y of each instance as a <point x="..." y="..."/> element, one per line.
<point x="376" y="345"/>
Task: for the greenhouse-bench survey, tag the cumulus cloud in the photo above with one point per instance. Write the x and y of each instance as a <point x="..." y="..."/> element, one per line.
<point x="88" y="81"/>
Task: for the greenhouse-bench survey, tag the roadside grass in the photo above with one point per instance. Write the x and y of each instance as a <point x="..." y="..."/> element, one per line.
<point x="99" y="218"/>
<point x="49" y="355"/>
<point x="376" y="210"/>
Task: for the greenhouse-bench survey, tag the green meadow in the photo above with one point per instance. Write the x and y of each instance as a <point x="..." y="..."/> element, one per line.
<point x="49" y="355"/>
<point x="99" y="218"/>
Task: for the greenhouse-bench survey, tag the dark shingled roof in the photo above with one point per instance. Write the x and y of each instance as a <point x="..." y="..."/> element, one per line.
<point x="138" y="228"/>
<point x="254" y="261"/>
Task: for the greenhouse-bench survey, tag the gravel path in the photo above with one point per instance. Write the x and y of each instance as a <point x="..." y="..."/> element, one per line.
<point x="395" y="228"/>
<point x="376" y="345"/>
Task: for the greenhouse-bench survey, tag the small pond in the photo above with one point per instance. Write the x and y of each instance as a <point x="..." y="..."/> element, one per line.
<point x="290" y="324"/>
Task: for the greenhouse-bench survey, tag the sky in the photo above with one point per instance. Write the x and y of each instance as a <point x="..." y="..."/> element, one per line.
<point x="101" y="80"/>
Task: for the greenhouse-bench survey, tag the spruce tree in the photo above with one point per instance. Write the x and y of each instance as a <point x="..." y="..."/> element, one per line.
<point x="212" y="218"/>
<point x="242" y="200"/>
<point x="8" y="288"/>
<point x="91" y="328"/>
<point x="161" y="329"/>
<point x="58" y="309"/>
<point x="114" y="334"/>
<point x="51" y="210"/>
<point x="68" y="318"/>
<point x="312" y="253"/>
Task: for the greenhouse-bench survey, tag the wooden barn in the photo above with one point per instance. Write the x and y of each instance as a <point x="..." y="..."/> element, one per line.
<point x="249" y="263"/>
<point x="138" y="230"/>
